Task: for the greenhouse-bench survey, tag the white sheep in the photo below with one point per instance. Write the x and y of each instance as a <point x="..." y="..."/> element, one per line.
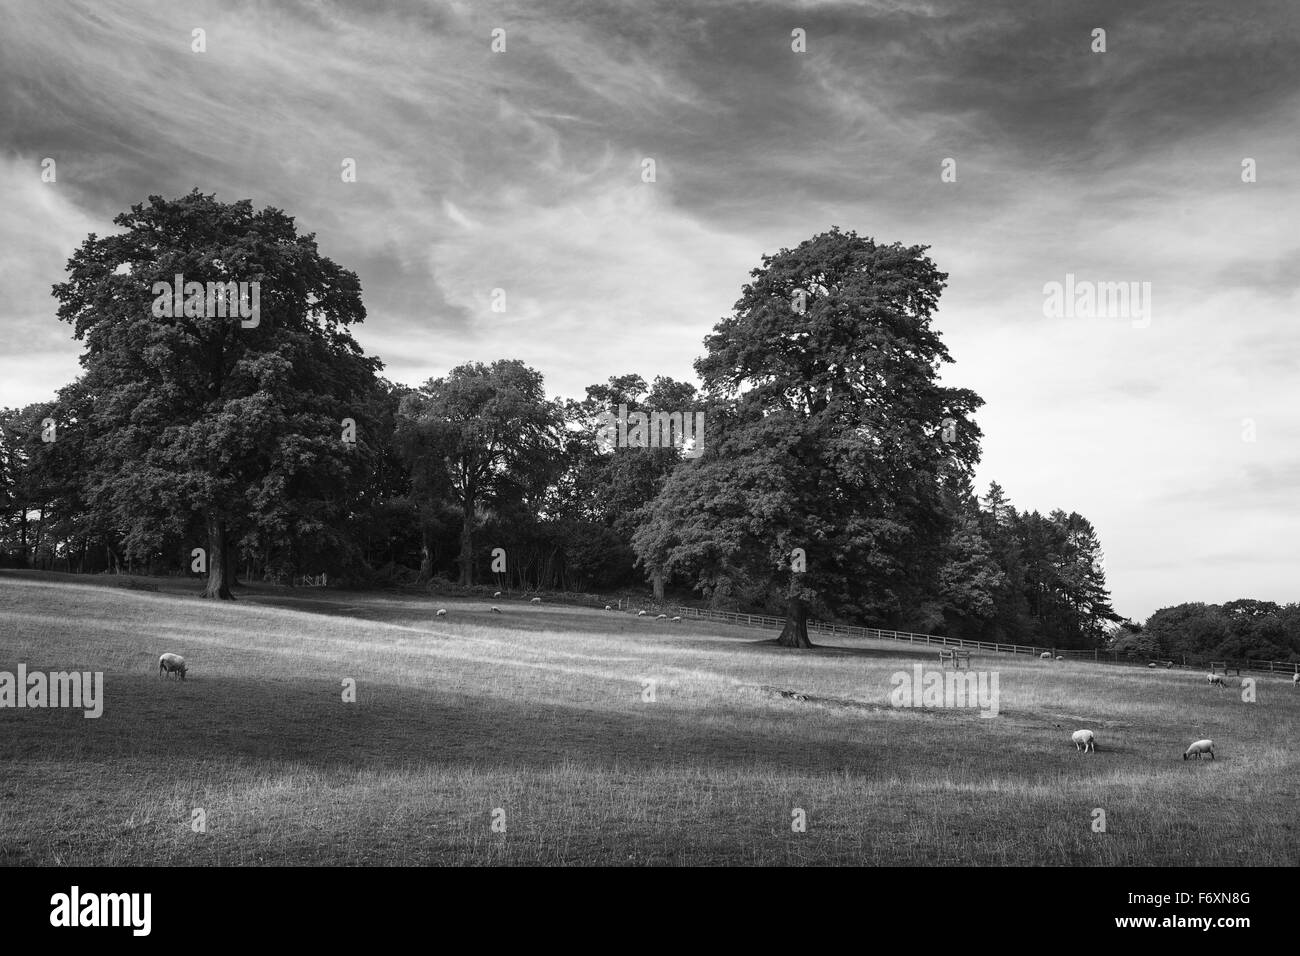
<point x="171" y="664"/>
<point x="1295" y="679"/>
<point x="535" y="601"/>
<point x="497" y="595"/>
<point x="1084" y="740"/>
<point x="661" y="617"/>
<point x="677" y="619"/>
<point x="1060" y="657"/>
<point x="608" y="608"/>
<point x="1216" y="680"/>
<point x="442" y="612"/>
<point x="640" y="613"/>
<point x="1200" y="747"/>
<point x="1152" y="664"/>
<point x="1045" y="656"/>
<point x="495" y="609"/>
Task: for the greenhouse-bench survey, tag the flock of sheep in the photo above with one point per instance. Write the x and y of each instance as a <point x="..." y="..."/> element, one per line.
<point x="1085" y="740"/>
<point x="658" y="617"/>
<point x="442" y="611"/>
<point x="169" y="664"/>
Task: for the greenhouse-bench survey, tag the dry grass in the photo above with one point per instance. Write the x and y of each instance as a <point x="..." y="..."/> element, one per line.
<point x="539" y="712"/>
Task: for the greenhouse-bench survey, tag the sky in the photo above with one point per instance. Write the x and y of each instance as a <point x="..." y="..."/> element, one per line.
<point x="1173" y="430"/>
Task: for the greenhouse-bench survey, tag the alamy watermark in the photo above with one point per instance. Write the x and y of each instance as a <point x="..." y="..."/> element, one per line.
<point x="242" y="300"/>
<point x="75" y="909"/>
<point x="945" y="689"/>
<point x="684" y="430"/>
<point x="1084" y="299"/>
<point x="77" y="689"/>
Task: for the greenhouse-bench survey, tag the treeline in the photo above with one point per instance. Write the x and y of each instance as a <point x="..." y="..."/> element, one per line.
<point x="1239" y="630"/>
<point x="483" y="441"/>
<point x="1047" y="582"/>
<point x="830" y="475"/>
<point x="565" y="520"/>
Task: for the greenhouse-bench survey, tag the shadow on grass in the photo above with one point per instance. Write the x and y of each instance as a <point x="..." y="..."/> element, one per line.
<point x="306" y="722"/>
<point x="276" y="720"/>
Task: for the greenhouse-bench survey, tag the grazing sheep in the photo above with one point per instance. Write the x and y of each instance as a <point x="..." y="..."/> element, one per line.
<point x="535" y="601"/>
<point x="442" y="612"/>
<point x="495" y="609"/>
<point x="1045" y="656"/>
<point x="1216" y="680"/>
<point x="498" y="594"/>
<point x="640" y="613"/>
<point x="1295" y="679"/>
<point x="1152" y="664"/>
<point x="677" y="618"/>
<point x="1084" y="740"/>
<point x="171" y="664"/>
<point x="1060" y="657"/>
<point x="608" y="608"/>
<point x="661" y="617"/>
<point x="1200" y="747"/>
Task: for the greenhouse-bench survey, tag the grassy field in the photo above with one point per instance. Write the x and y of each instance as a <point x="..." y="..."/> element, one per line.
<point x="537" y="718"/>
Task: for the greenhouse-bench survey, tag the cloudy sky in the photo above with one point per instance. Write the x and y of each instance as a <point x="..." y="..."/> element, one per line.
<point x="521" y="170"/>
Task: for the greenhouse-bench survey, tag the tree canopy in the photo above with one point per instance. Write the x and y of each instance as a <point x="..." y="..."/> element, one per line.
<point x="831" y="475"/>
<point x="198" y="426"/>
<point x="831" y="437"/>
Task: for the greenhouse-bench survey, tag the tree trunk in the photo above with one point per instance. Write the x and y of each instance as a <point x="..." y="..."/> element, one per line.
<point x="467" y="547"/>
<point x="426" y="556"/>
<point x="218" y="563"/>
<point x="40" y="524"/>
<point x="795" y="632"/>
<point x="657" y="577"/>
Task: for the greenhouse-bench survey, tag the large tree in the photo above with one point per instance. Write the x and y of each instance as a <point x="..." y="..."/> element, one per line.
<point x="970" y="578"/>
<point x="205" y="423"/>
<point x="47" y="454"/>
<point x="1012" y="621"/>
<point x="1065" y="582"/>
<point x="484" y="435"/>
<point x="827" y="432"/>
<point x="615" y="484"/>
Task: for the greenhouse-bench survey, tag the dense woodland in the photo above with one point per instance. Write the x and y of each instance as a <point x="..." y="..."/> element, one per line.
<point x="833" y="480"/>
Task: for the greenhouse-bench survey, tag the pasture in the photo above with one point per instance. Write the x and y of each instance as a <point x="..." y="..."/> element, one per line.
<point x="539" y="719"/>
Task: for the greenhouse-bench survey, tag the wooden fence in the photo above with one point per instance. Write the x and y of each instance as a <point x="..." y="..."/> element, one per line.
<point x="768" y="622"/>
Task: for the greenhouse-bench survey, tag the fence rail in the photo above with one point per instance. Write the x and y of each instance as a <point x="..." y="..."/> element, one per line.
<point x="872" y="633"/>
